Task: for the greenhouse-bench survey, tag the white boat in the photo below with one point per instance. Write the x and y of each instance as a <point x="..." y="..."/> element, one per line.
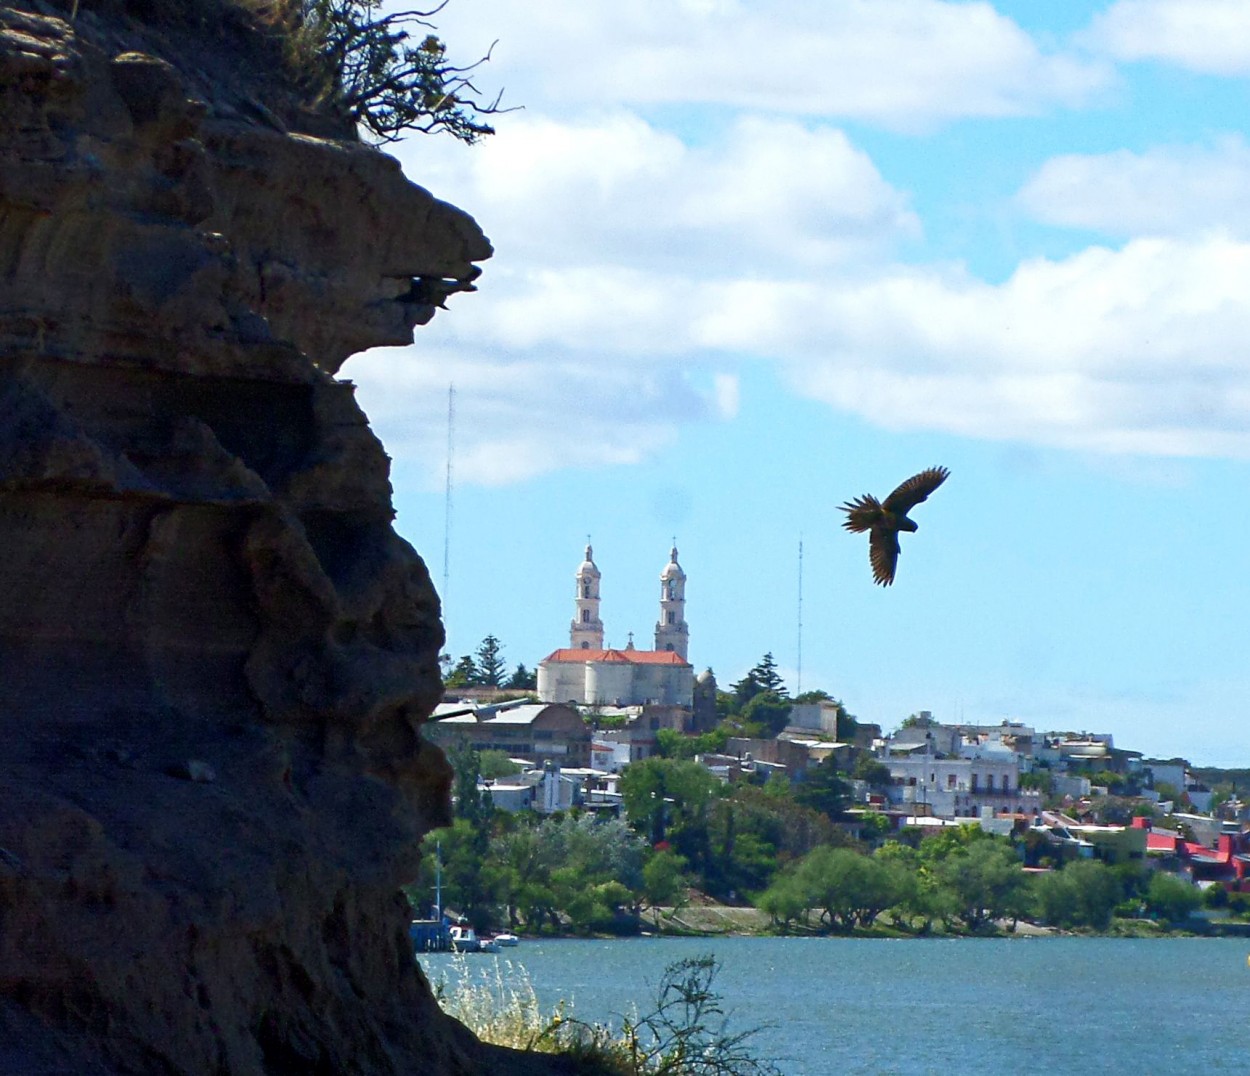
<point x="465" y="940"/>
<point x="506" y="939"/>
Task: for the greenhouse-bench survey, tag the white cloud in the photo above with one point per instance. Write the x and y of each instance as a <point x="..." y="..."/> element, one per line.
<point x="906" y="64"/>
<point x="1143" y="350"/>
<point x="765" y="194"/>
<point x="523" y="414"/>
<point x="1164" y="191"/>
<point x="1211" y="36"/>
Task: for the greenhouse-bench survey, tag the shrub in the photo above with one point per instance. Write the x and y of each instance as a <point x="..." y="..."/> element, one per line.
<point x="350" y="55"/>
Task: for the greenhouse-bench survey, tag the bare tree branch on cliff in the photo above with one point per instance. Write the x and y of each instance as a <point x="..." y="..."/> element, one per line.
<point x="354" y="57"/>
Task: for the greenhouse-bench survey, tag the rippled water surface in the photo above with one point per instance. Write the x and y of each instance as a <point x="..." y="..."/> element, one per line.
<point x="1038" y="1005"/>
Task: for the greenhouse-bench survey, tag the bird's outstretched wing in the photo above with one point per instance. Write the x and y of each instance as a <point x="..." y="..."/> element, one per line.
<point x="915" y="489"/>
<point x="861" y="513"/>
<point x="883" y="554"/>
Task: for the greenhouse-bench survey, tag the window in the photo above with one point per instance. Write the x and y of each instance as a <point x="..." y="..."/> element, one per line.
<point x="585" y="616"/>
<point x="672" y="617"/>
<point x="989" y="782"/>
<point x="950" y="780"/>
<point x="585" y="590"/>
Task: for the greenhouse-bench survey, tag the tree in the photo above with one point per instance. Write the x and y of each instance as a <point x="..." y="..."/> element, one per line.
<point x="1041" y="779"/>
<point x="351" y="55"/>
<point x="763" y="677"/>
<point x="464" y="673"/>
<point x="490" y="663"/>
<point x="472" y="804"/>
<point x="669" y="743"/>
<point x="1082" y="894"/>
<point x="785" y="901"/>
<point x="664" y="881"/>
<point x="985" y="877"/>
<point x="766" y="714"/>
<point x="850" y="888"/>
<point x="872" y="771"/>
<point x="522" y="679"/>
<point x="824" y="789"/>
<point x="668" y="799"/>
<point x="494" y="764"/>
<point x="1170" y="897"/>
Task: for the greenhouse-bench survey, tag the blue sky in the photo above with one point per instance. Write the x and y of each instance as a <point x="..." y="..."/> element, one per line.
<point x="753" y="259"/>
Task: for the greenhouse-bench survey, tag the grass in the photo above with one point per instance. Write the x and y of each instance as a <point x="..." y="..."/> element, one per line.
<point x="685" y="1033"/>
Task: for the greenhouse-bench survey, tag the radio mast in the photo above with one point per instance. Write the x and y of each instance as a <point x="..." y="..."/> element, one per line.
<point x="451" y="446"/>
<point x="799" y="686"/>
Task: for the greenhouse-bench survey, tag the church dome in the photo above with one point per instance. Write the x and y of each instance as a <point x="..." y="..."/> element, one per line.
<point x="672" y="570"/>
<point x="588" y="565"/>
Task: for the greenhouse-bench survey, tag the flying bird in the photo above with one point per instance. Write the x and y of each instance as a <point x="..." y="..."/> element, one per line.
<point x="883" y="520"/>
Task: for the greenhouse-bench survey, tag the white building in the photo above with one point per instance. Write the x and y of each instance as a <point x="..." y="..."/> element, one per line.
<point x="959" y="787"/>
<point x="588" y="673"/>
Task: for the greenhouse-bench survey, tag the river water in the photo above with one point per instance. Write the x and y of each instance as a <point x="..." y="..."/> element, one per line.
<point x="966" y="1006"/>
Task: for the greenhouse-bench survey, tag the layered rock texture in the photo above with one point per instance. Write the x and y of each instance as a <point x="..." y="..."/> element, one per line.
<point x="215" y="652"/>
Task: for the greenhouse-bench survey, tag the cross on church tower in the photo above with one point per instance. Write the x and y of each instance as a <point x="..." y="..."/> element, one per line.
<point x="671" y="631"/>
<point x="586" y="631"/>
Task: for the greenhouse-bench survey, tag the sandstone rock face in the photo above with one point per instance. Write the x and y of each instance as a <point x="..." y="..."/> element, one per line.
<point x="215" y="652"/>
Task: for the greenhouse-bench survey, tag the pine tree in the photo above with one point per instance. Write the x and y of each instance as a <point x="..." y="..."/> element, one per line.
<point x="762" y="678"/>
<point x="490" y="663"/>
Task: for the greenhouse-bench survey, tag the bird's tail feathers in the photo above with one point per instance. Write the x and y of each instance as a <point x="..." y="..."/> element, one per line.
<point x="861" y="513"/>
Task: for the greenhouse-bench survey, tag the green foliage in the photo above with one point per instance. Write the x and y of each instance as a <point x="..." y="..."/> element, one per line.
<point x="986" y="878"/>
<point x="1041" y="779"/>
<point x="667" y="799"/>
<point x="1171" y="898"/>
<point x="493" y="764"/>
<point x="383" y="70"/>
<point x="685" y="1033"/>
<point x="522" y="679"/>
<point x="766" y="714"/>
<point x="871" y="770"/>
<point x="664" y="879"/>
<point x="1215" y="896"/>
<point x="1116" y="784"/>
<point x="490" y="663"/>
<point x="1083" y="894"/>
<point x="824" y="789"/>
<point x="873" y="826"/>
<point x="785" y="901"/>
<point x="486" y="668"/>
<point x="669" y="743"/>
<point x="464" y="674"/>
<point x="559" y="868"/>
<point x="849" y="888"/>
<point x="760" y="679"/>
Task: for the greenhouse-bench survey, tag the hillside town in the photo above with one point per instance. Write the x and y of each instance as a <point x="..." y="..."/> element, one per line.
<point x="1061" y="796"/>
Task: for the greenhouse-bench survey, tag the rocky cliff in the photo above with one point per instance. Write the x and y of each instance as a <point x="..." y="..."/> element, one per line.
<point x="215" y="652"/>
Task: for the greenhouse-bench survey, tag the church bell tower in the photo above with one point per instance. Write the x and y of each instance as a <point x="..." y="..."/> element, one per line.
<point x="671" y="632"/>
<point x="586" y="631"/>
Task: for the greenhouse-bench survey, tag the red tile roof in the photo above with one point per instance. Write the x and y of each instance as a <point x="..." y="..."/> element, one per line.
<point x="625" y="657"/>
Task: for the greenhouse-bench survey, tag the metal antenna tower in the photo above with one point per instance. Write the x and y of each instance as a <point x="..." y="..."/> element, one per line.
<point x="799" y="686"/>
<point x="451" y="445"/>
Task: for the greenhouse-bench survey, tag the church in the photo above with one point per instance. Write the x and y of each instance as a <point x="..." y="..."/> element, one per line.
<point x="587" y="673"/>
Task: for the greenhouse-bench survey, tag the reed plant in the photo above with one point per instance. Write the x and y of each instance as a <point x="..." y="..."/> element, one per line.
<point x="685" y="1032"/>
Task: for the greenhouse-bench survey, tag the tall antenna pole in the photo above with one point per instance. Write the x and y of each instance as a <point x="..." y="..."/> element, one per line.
<point x="799" y="687"/>
<point x="451" y="445"/>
